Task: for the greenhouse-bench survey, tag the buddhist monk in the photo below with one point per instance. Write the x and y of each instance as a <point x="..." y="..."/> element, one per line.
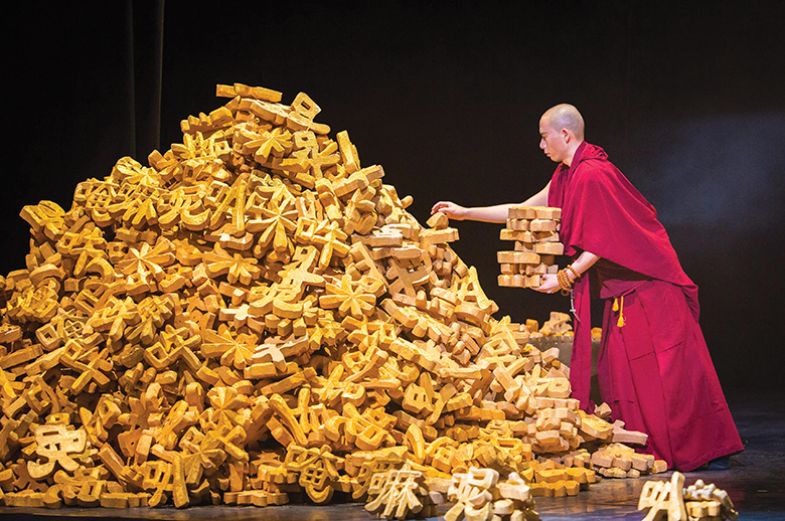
<point x="654" y="368"/>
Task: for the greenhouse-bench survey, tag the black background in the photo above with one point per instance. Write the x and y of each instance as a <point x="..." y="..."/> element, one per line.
<point x="687" y="98"/>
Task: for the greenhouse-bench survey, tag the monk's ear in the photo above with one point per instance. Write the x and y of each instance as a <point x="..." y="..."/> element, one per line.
<point x="566" y="135"/>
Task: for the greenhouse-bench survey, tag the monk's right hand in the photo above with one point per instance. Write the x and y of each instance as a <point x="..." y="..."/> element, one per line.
<point x="453" y="211"/>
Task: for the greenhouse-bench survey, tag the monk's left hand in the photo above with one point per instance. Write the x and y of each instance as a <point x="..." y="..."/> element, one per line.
<point x="550" y="284"/>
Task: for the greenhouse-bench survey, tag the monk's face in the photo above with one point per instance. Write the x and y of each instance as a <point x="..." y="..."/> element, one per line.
<point x="553" y="141"/>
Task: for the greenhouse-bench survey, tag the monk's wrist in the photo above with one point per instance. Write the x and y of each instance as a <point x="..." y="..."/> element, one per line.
<point x="563" y="278"/>
<point x="572" y="273"/>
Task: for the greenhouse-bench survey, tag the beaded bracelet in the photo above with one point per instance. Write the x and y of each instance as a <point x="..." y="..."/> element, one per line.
<point x="569" y="267"/>
<point x="564" y="280"/>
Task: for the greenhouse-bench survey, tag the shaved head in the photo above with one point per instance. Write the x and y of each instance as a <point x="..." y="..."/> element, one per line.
<point x="564" y="116"/>
<point x="561" y="132"/>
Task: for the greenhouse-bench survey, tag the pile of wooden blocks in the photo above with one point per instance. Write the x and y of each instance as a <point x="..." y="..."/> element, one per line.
<point x="704" y="501"/>
<point x="561" y="477"/>
<point x="558" y="324"/>
<point x="402" y="494"/>
<point x="670" y="501"/>
<point x="535" y="230"/>
<point x="479" y="495"/>
<point x="620" y="461"/>
<point x="253" y="314"/>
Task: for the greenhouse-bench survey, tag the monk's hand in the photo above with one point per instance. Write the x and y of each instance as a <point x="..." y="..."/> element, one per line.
<point x="454" y="211"/>
<point x="550" y="284"/>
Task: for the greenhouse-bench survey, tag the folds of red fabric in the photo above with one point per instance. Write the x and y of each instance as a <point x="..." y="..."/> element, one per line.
<point x="656" y="373"/>
<point x="604" y="214"/>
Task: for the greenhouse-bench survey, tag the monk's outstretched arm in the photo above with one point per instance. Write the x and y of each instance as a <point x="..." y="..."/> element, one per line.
<point x="489" y="214"/>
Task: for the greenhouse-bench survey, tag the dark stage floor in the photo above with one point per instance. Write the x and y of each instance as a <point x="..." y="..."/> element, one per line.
<point x="755" y="482"/>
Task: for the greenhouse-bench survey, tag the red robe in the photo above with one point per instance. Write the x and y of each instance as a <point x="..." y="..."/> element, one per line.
<point x="654" y="370"/>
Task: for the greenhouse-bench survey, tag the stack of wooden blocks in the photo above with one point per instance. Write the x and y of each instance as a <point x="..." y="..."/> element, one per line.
<point x="253" y="314"/>
<point x="535" y="231"/>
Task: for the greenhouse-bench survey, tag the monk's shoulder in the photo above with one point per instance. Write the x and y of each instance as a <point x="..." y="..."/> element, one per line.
<point x="595" y="170"/>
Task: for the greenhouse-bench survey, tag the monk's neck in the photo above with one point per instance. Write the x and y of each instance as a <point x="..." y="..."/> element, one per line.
<point x="571" y="154"/>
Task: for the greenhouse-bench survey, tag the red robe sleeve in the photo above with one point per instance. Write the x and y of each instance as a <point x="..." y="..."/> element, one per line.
<point x="604" y="214"/>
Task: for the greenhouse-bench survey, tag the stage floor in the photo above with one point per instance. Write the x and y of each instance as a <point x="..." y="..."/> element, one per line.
<point x="755" y="482"/>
